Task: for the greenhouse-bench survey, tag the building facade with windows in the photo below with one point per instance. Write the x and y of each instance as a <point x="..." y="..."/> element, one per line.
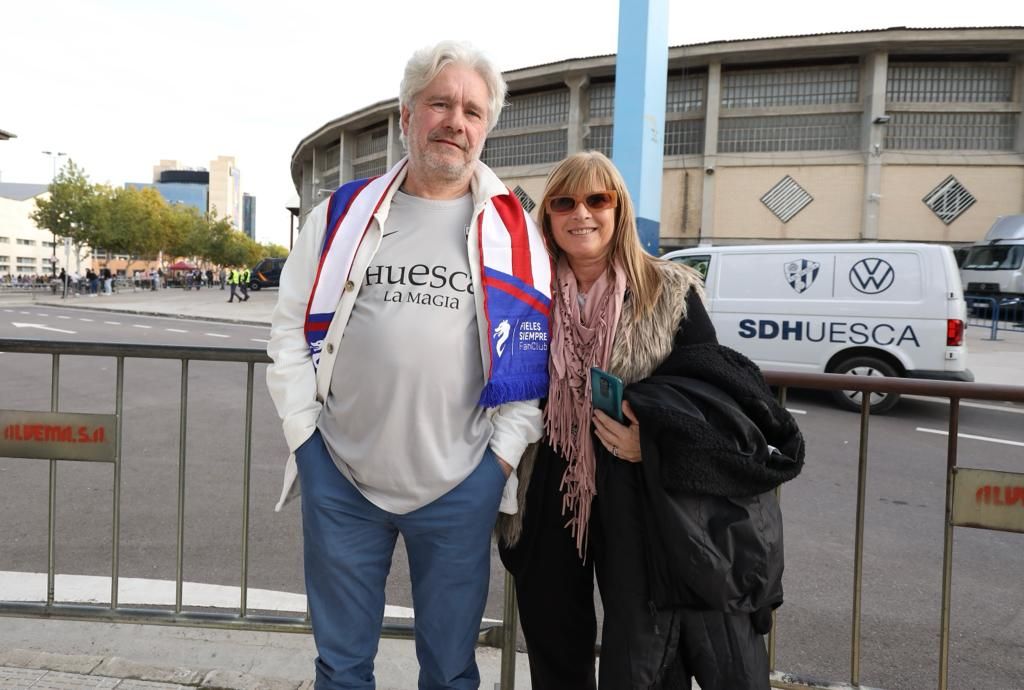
<point x="25" y="250"/>
<point x="890" y="135"/>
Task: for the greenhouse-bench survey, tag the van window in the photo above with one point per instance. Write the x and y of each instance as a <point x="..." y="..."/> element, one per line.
<point x="698" y="263"/>
<point x="994" y="258"/>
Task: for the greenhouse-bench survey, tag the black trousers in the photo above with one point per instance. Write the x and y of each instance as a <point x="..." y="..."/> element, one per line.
<point x="641" y="646"/>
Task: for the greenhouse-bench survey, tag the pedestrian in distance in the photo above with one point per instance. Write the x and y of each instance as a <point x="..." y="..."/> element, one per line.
<point x="233" y="283"/>
<point x="641" y="493"/>
<point x="223" y="277"/>
<point x="407" y="403"/>
<point x="243" y="283"/>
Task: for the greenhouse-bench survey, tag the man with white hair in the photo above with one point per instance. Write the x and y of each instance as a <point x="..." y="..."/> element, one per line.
<point x="410" y="350"/>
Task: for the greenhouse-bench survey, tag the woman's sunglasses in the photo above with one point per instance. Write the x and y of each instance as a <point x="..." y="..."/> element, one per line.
<point x="595" y="201"/>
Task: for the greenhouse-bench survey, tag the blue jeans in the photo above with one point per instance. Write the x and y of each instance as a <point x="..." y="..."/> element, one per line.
<point x="348" y="545"/>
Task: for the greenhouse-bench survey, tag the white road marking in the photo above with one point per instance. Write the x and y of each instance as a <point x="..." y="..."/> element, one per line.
<point x="83" y="319"/>
<point x="259" y="340"/>
<point x="113" y="323"/>
<point x="175" y="330"/>
<point x="792" y="410"/>
<point x="40" y="327"/>
<point x="38" y="314"/>
<point x="217" y="335"/>
<point x="9" y="311"/>
<point x="91" y="589"/>
<point x="967" y="403"/>
<point x="139" y="325"/>
<point x="63" y="317"/>
<point x="23" y="312"/>
<point x="1002" y="441"/>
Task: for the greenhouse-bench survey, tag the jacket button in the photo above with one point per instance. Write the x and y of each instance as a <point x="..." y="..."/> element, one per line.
<point x="349" y="286"/>
<point x="330" y="348"/>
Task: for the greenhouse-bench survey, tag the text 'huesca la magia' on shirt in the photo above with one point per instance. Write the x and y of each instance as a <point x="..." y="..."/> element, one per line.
<point x="440" y="282"/>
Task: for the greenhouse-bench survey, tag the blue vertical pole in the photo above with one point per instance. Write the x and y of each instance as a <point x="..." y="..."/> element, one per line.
<point x="641" y="75"/>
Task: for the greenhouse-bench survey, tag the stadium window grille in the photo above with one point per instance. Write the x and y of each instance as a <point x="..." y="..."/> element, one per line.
<point x="685" y="93"/>
<point x="949" y="200"/>
<point x="684" y="137"/>
<point x="931" y="83"/>
<point x="827" y="132"/>
<point x="790" y="87"/>
<point x="525" y="149"/>
<point x="531" y="110"/>
<point x="524" y="199"/>
<point x="602" y="99"/>
<point x="370" y="168"/>
<point x="599" y="138"/>
<point x="951" y="131"/>
<point x="372" y="142"/>
<point x="786" y="199"/>
<point x="328" y="159"/>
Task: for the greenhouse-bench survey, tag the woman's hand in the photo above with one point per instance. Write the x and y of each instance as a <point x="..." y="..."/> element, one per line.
<point x="621" y="441"/>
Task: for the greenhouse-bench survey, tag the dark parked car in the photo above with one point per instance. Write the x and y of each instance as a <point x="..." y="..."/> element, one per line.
<point x="267" y="273"/>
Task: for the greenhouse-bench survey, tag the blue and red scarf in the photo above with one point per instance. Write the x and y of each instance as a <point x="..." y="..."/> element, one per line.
<point x="514" y="266"/>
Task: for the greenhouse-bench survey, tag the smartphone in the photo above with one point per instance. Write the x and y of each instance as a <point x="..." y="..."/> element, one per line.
<point x="606" y="393"/>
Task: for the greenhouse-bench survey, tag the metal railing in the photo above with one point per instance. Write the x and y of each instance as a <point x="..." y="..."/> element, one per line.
<point x="995" y="313"/>
<point x="501" y="635"/>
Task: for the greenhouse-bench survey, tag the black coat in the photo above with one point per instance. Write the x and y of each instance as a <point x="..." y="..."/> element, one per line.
<point x="715" y="444"/>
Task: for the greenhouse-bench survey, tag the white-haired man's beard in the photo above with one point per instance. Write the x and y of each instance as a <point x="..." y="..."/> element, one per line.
<point x="446" y="167"/>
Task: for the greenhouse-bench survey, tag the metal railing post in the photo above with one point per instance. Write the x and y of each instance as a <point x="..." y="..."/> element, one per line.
<point x="246" y="472"/>
<point x="182" y="440"/>
<point x="508" y="636"/>
<point x="778" y="497"/>
<point x="858" y="549"/>
<point x="51" y="530"/>
<point x="116" y="527"/>
<point x="947" y="542"/>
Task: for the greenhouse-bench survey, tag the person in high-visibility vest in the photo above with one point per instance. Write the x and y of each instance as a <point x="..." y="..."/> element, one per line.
<point x="243" y="282"/>
<point x="233" y="283"/>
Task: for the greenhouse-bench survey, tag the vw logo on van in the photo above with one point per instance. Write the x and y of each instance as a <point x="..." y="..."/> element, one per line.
<point x="800" y="274"/>
<point x="872" y="276"/>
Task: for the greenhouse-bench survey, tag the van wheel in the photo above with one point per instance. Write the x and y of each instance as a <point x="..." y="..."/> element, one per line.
<point x="865" y="366"/>
<point x="255" y="286"/>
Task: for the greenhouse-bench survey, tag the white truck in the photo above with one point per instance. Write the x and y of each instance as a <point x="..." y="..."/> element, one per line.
<point x="875" y="309"/>
<point x="993" y="267"/>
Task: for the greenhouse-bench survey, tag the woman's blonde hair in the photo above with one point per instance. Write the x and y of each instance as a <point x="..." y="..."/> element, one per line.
<point x="591" y="171"/>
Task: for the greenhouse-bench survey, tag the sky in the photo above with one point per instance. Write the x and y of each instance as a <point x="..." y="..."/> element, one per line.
<point x="119" y="85"/>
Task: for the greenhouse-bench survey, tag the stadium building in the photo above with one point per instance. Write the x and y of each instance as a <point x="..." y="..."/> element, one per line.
<point x="893" y="134"/>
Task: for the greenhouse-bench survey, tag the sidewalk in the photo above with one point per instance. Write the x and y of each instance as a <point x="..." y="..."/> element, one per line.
<point x="69" y="654"/>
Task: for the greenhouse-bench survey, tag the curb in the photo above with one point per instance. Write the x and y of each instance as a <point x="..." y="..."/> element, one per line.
<point x="149" y="312"/>
<point x="97" y="667"/>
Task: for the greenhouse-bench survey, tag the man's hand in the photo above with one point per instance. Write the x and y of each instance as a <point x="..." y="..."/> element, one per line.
<point x="505" y="467"/>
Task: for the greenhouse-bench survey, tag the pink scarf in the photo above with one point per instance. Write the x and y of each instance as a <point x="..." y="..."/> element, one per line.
<point x="581" y="338"/>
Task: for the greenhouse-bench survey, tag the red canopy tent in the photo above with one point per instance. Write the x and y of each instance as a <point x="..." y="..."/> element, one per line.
<point x="181" y="266"/>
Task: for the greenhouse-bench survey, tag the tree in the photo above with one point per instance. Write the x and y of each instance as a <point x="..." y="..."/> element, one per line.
<point x="274" y="251"/>
<point x="133" y="221"/>
<point x="73" y="209"/>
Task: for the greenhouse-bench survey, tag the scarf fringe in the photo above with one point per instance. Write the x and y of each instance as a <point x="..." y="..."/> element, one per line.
<point x="498" y="392"/>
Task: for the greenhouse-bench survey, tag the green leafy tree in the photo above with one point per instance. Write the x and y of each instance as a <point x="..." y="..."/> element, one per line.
<point x="134" y="221"/>
<point x="273" y="251"/>
<point x="74" y="209"/>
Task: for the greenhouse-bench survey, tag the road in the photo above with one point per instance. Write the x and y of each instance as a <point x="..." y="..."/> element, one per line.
<point x="903" y="524"/>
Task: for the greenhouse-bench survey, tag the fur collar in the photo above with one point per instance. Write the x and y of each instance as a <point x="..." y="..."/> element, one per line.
<point x="641" y="344"/>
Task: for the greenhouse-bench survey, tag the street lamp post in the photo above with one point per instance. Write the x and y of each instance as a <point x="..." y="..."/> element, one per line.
<point x="54" y="155"/>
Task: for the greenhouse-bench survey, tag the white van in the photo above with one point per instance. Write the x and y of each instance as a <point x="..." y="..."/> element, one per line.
<point x="993" y="267"/>
<point x="874" y="309"/>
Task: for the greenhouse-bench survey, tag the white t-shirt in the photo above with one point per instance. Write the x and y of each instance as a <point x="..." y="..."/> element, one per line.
<point x="402" y="419"/>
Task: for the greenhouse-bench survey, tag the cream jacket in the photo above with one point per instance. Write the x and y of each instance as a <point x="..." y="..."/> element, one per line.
<point x="299" y="391"/>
